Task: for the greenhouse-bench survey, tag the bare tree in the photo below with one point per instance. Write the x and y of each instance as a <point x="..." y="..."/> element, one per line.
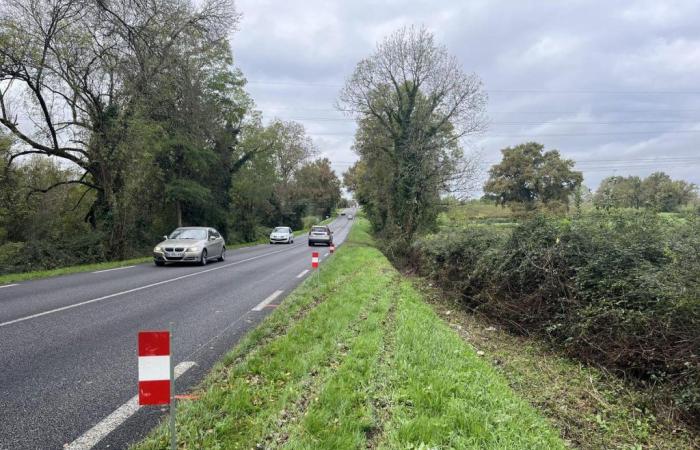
<point x="413" y="85"/>
<point x="413" y="92"/>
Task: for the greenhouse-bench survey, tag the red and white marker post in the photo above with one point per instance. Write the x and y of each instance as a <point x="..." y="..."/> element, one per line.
<point x="157" y="374"/>
<point x="314" y="265"/>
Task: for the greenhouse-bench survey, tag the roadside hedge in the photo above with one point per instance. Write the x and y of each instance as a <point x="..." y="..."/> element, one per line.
<point x="619" y="289"/>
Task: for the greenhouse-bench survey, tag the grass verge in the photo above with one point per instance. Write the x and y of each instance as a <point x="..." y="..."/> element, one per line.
<point x="361" y="361"/>
<point x="26" y="276"/>
<point x="591" y="408"/>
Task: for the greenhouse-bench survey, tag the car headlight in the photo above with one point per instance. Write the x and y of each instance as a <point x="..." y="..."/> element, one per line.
<point x="193" y="249"/>
<point x="157" y="249"/>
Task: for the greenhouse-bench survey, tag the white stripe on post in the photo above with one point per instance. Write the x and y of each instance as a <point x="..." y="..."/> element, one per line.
<point x="154" y="368"/>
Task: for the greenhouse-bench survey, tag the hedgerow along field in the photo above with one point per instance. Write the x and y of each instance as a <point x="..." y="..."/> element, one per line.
<point x="619" y="289"/>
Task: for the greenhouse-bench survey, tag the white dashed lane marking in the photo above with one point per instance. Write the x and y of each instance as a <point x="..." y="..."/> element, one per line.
<point x="116" y="268"/>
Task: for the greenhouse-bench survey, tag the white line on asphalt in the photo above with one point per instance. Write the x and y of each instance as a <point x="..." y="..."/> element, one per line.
<point x="267" y="301"/>
<point x="9" y="285"/>
<point x="303" y="273"/>
<point x="110" y="423"/>
<point x="117" y="294"/>
<point x="116" y="268"/>
<point x="325" y="254"/>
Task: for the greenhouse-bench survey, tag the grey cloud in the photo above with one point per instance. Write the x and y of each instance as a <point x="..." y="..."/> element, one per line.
<point x="606" y="81"/>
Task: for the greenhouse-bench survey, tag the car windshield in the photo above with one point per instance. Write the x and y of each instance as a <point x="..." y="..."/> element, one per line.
<point x="189" y="234"/>
<point x="319" y="229"/>
<point x="280" y="230"/>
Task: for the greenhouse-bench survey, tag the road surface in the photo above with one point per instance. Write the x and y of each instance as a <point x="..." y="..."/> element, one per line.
<point x="68" y="356"/>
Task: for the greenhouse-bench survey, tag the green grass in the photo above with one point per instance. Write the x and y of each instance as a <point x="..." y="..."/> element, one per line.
<point x="15" y="277"/>
<point x="476" y="213"/>
<point x="358" y="362"/>
<point x="591" y="408"/>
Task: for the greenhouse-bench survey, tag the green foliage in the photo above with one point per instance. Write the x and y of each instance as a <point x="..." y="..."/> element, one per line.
<point x="657" y="192"/>
<point x="318" y="186"/>
<point x="413" y="104"/>
<point x="164" y="133"/>
<point x="618" y="288"/>
<point x="530" y="177"/>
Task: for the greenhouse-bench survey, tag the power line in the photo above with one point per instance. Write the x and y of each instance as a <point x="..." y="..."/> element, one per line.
<point x="618" y="122"/>
<point x="599" y="111"/>
<point x="534" y="135"/>
<point x="504" y="91"/>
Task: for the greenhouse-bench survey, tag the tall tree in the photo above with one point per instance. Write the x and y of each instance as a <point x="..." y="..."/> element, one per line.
<point x="318" y="186"/>
<point x="529" y="176"/>
<point x="421" y="102"/>
<point x="84" y="68"/>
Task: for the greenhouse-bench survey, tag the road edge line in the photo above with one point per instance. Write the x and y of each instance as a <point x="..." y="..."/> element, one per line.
<point x="267" y="301"/>
<point x="120" y="415"/>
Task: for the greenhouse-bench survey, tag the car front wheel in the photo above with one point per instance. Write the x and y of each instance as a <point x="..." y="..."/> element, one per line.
<point x="159" y="263"/>
<point x="203" y="258"/>
<point x="223" y="254"/>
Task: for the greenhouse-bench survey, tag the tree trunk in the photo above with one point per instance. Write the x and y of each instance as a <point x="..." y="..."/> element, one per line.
<point x="178" y="209"/>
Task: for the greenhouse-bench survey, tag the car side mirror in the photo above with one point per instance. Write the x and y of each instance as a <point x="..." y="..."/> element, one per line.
<point x="212" y="238"/>
<point x="165" y="238"/>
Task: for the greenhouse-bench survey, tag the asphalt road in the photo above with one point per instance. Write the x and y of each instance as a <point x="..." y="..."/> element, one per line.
<point x="68" y="356"/>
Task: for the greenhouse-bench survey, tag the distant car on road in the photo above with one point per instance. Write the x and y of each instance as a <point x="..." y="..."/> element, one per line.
<point x="350" y="217"/>
<point x="190" y="244"/>
<point x="320" y="234"/>
<point x="282" y="234"/>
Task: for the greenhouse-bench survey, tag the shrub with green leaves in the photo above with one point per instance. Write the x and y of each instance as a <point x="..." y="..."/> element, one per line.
<point x="620" y="289"/>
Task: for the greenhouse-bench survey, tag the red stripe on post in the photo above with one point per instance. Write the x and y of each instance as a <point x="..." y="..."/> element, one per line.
<point x="154" y="343"/>
<point x="314" y="254"/>
<point x="156" y="392"/>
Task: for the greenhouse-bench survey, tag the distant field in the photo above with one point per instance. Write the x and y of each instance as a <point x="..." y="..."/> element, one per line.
<point x="476" y="213"/>
<point x="361" y="361"/>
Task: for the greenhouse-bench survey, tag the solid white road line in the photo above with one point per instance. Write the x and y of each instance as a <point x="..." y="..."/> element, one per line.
<point x="303" y="273"/>
<point x="129" y="291"/>
<point x="110" y="423"/>
<point x="9" y="285"/>
<point x="267" y="301"/>
<point x="116" y="268"/>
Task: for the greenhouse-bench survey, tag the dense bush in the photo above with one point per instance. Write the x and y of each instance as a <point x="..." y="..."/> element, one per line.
<point x="619" y="289"/>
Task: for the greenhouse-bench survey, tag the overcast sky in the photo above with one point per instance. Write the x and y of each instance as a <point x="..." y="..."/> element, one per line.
<point x="613" y="85"/>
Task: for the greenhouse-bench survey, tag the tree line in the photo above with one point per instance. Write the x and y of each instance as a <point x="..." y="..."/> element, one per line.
<point x="530" y="178"/>
<point x="120" y="120"/>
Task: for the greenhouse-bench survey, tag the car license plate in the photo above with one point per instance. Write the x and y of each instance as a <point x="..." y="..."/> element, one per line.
<point x="174" y="254"/>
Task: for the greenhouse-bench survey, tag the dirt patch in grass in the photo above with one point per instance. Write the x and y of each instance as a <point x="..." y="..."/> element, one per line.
<point x="381" y="403"/>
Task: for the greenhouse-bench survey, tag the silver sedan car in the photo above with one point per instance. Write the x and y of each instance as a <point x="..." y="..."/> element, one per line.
<point x="282" y="234"/>
<point x="190" y="244"/>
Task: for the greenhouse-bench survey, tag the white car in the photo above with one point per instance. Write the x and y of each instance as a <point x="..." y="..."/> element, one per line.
<point x="284" y="235"/>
